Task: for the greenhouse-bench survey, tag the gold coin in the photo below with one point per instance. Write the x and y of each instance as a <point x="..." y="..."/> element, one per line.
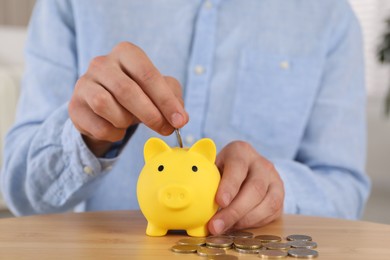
<point x="247" y="251"/>
<point x="268" y="238"/>
<point x="272" y="254"/>
<point x="302" y="253"/>
<point x="223" y="257"/>
<point x="205" y="251"/>
<point x="303" y="244"/>
<point x="298" y="238"/>
<point x="277" y="245"/>
<point x="238" y="233"/>
<point x="184" y="249"/>
<point x="219" y="241"/>
<point x="247" y="243"/>
<point x="192" y="241"/>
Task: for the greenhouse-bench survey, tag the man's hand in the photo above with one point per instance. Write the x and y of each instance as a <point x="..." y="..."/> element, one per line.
<point x="120" y="90"/>
<point x="251" y="193"/>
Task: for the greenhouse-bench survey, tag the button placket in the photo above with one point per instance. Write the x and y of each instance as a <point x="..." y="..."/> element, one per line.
<point x="200" y="69"/>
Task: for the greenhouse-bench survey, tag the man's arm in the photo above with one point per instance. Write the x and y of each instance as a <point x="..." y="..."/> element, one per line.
<point x="327" y="176"/>
<point x="52" y="153"/>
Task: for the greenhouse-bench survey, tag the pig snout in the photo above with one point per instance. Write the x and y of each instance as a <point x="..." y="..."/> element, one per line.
<point x="174" y="197"/>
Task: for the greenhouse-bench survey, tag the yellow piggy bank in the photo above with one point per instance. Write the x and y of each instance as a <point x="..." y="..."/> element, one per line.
<point x="177" y="186"/>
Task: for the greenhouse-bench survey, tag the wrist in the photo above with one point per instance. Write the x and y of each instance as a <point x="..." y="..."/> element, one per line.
<point x="98" y="147"/>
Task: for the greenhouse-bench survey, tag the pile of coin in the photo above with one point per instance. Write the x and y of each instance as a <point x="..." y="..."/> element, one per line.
<point x="264" y="246"/>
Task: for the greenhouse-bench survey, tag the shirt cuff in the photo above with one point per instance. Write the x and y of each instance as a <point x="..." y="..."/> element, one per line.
<point x="83" y="168"/>
<point x="92" y="165"/>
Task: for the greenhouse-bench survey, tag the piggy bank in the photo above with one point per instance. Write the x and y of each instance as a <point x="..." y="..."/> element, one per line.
<point x="177" y="186"/>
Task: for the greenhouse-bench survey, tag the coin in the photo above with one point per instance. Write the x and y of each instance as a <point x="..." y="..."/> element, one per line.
<point x="192" y="241"/>
<point x="178" y="136"/>
<point x="223" y="257"/>
<point x="184" y="249"/>
<point x="268" y="238"/>
<point x="303" y="244"/>
<point x="272" y="254"/>
<point x="238" y="233"/>
<point x="219" y="241"/>
<point x="277" y="245"/>
<point x="298" y="238"/>
<point x="302" y="253"/>
<point x="247" y="243"/>
<point x="205" y="251"/>
<point x="247" y="251"/>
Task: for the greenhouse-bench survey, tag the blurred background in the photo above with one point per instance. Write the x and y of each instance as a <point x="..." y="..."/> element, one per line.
<point x="14" y="16"/>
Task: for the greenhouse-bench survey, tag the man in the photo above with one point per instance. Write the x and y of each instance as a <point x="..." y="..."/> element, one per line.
<point x="284" y="77"/>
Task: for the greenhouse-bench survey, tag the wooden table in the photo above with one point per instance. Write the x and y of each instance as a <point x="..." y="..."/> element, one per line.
<point x="121" y="235"/>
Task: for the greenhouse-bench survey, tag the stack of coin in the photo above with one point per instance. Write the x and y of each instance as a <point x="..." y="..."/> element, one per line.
<point x="302" y="253"/>
<point x="302" y="246"/>
<point x="272" y="254"/>
<point x="223" y="242"/>
<point x="197" y="241"/>
<point x="239" y="233"/>
<point x="184" y="249"/>
<point x="266" y="246"/>
<point x="247" y="245"/>
<point x="277" y="246"/>
<point x="206" y="251"/>
<point x="268" y="238"/>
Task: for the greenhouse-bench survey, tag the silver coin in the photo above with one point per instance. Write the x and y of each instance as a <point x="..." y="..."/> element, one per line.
<point x="199" y="241"/>
<point x="247" y="251"/>
<point x="238" y="233"/>
<point x="303" y="244"/>
<point x="272" y="254"/>
<point x="204" y="251"/>
<point x="219" y="241"/>
<point x="302" y="253"/>
<point x="178" y="136"/>
<point x="299" y="238"/>
<point x="184" y="249"/>
<point x="277" y="245"/>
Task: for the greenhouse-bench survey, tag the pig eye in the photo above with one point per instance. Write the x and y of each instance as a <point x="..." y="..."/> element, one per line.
<point x="194" y="168"/>
<point x="160" y="168"/>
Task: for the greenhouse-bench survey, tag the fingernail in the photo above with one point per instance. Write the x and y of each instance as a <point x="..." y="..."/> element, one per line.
<point x="177" y="119"/>
<point x="219" y="226"/>
<point x="226" y="199"/>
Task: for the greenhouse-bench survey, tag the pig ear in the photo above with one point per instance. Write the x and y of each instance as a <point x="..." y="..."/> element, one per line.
<point x="153" y="147"/>
<point x="206" y="147"/>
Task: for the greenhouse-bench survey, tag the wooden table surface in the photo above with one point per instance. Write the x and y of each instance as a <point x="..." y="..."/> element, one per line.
<point x="121" y="235"/>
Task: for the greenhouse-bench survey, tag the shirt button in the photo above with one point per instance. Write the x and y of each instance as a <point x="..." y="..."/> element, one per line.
<point x="199" y="70"/>
<point x="189" y="139"/>
<point x="88" y="170"/>
<point x="208" y="4"/>
<point x="285" y="65"/>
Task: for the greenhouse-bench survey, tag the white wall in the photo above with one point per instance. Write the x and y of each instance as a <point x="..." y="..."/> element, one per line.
<point x="15" y="12"/>
<point x="372" y="15"/>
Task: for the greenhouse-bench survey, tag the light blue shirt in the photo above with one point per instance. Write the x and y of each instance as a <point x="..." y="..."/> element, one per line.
<point x="285" y="76"/>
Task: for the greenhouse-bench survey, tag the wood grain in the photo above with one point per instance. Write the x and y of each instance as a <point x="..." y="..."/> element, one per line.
<point x="121" y="235"/>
